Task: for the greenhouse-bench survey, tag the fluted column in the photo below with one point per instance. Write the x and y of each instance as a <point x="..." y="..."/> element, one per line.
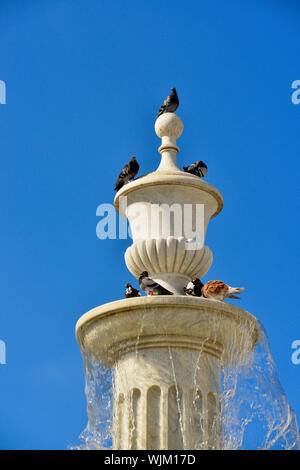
<point x="172" y="400"/>
<point x="166" y="353"/>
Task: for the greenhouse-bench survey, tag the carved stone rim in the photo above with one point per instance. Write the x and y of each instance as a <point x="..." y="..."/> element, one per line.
<point x="180" y="178"/>
<point x="104" y="328"/>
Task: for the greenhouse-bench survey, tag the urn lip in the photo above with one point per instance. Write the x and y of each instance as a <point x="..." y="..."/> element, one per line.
<point x="179" y="178"/>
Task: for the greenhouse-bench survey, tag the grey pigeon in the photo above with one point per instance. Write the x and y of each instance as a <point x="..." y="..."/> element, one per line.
<point x="194" y="287"/>
<point x="198" y="169"/>
<point x="170" y="104"/>
<point x="128" y="173"/>
<point x="131" y="291"/>
<point x="151" y="287"/>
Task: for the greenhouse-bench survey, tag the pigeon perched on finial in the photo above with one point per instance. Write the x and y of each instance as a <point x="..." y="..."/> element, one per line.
<point x="198" y="169"/>
<point x="131" y="291"/>
<point x="170" y="104"/>
<point x="217" y="290"/>
<point x="151" y="287"/>
<point x="128" y="173"/>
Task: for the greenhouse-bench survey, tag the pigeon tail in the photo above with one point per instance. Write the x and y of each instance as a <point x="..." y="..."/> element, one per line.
<point x="235" y="290"/>
<point x="119" y="184"/>
<point x="164" y="291"/>
<point x="161" y="111"/>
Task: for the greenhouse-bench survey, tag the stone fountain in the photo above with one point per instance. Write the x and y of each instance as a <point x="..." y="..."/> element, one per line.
<point x="167" y="353"/>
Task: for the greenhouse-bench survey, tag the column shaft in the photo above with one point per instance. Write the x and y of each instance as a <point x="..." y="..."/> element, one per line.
<point x="173" y="398"/>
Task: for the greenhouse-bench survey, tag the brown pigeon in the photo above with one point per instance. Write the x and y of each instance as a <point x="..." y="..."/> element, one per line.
<point x="128" y="173"/>
<point x="219" y="291"/>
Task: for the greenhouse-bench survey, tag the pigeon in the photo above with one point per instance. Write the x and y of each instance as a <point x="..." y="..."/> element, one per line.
<point x="198" y="169"/>
<point x="151" y="287"/>
<point x="128" y="173"/>
<point x="170" y="104"/>
<point x="131" y="291"/>
<point x="212" y="290"/>
<point x="219" y="291"/>
<point x="194" y="288"/>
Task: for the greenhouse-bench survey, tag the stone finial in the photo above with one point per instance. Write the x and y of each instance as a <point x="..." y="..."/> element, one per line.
<point x="168" y="127"/>
<point x="162" y="207"/>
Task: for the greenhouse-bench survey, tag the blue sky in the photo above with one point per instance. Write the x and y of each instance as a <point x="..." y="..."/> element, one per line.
<point x="84" y="81"/>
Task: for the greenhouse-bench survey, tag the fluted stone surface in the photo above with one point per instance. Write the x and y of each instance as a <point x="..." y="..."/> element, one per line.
<point x="167" y="353"/>
<point x="168" y="261"/>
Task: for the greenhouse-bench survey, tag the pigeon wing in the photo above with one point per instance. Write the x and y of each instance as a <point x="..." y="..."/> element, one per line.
<point x="214" y="288"/>
<point x="191" y="169"/>
<point x="149" y="284"/>
<point x="164" y="106"/>
<point x="201" y="169"/>
<point x="123" y="176"/>
<point x="125" y="172"/>
<point x="134" y="168"/>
